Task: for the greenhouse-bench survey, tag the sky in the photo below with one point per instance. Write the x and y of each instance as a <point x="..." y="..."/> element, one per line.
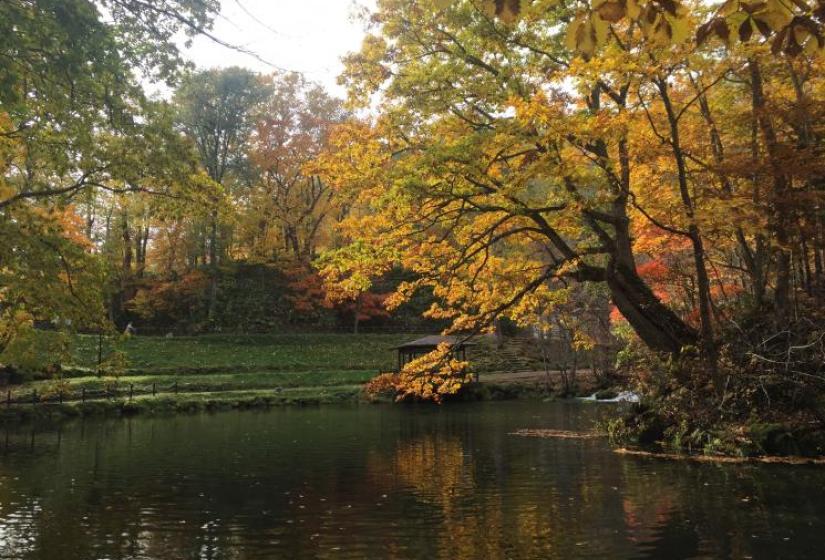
<point x="307" y="36"/>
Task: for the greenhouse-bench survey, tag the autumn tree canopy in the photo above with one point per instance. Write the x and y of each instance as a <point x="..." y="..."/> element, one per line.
<point x="523" y="148"/>
<point x="75" y="126"/>
<point x="526" y="160"/>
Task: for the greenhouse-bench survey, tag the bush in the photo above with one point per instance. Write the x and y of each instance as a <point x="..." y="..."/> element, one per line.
<point x="384" y="385"/>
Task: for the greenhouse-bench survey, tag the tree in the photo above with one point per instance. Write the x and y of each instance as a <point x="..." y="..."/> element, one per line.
<point x="480" y="179"/>
<point x="73" y="122"/>
<point x="68" y="75"/>
<point x="509" y="164"/>
<point x="215" y="110"/>
<point x="792" y="27"/>
<point x="288" y="206"/>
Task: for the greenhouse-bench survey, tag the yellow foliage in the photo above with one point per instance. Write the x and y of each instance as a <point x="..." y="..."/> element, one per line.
<point x="433" y="377"/>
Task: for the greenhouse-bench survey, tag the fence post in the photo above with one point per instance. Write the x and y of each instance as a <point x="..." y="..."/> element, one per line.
<point x="8" y="398"/>
<point x="176" y="386"/>
<point x="153" y="389"/>
<point x="131" y="390"/>
<point x="60" y="396"/>
<point x="83" y="394"/>
<point x="34" y="396"/>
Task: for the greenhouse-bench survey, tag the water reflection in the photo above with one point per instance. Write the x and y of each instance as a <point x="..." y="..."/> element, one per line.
<point x="385" y="482"/>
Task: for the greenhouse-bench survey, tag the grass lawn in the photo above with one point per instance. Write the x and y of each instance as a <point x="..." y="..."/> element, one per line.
<point x="205" y="372"/>
<point x="215" y="364"/>
<point x="194" y="383"/>
<point x="247" y="353"/>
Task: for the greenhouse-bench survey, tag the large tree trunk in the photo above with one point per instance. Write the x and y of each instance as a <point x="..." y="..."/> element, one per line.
<point x="655" y="323"/>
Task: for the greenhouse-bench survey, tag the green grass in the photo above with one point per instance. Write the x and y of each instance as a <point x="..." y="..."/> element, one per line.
<point x="210" y="372"/>
<point x="237" y="353"/>
<point x="182" y="403"/>
<point x="194" y="383"/>
<point x="179" y="368"/>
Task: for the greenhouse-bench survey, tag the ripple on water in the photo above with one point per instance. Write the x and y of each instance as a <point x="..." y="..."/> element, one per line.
<point x="386" y="482"/>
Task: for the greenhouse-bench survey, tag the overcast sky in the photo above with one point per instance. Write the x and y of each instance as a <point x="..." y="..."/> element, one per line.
<point x="307" y="36"/>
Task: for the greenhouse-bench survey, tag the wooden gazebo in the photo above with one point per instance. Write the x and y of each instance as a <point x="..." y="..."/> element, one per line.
<point x="409" y="351"/>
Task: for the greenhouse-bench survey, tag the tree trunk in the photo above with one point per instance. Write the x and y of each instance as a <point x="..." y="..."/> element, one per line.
<point x="655" y="323"/>
<point x="753" y="259"/>
<point x="708" y="344"/>
<point x="141" y="244"/>
<point x="121" y="296"/>
<point x="213" y="266"/>
<point x="778" y="222"/>
<point x="126" y="265"/>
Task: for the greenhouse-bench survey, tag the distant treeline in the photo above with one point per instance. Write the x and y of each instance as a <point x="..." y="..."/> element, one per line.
<point x="261" y="298"/>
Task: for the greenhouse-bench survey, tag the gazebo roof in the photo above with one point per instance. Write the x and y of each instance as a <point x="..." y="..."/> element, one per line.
<point x="433" y="341"/>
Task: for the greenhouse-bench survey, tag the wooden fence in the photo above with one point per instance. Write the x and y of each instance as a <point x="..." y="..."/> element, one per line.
<point x="124" y="391"/>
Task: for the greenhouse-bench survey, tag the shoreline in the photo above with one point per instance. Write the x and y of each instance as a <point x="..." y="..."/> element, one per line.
<point x="167" y="405"/>
<point x="722" y="459"/>
<point x="213" y="401"/>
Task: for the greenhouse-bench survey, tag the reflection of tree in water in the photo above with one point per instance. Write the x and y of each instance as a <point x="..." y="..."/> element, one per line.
<point x="720" y="511"/>
<point x="88" y="509"/>
<point x="399" y="485"/>
<point x="490" y="510"/>
<point x="439" y="473"/>
<point x="571" y="500"/>
<point x="434" y="467"/>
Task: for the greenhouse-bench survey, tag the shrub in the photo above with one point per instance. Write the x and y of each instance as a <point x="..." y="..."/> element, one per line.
<point x="383" y="385"/>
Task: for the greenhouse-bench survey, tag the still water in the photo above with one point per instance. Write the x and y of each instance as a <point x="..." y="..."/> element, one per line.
<point x="385" y="482"/>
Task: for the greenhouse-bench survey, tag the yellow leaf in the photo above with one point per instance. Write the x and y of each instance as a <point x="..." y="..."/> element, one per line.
<point x="680" y="28"/>
<point x="633" y="9"/>
<point x="600" y="29"/>
<point x="573" y="31"/>
<point x="776" y="14"/>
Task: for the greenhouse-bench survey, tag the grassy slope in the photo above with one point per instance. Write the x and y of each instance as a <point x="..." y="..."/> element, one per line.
<point x="211" y="382"/>
<point x="227" y="364"/>
<point x="233" y="353"/>
<point x="215" y="371"/>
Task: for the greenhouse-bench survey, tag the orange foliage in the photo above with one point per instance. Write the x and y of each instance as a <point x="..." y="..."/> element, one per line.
<point x="309" y="295"/>
<point x="174" y="299"/>
<point x="385" y="384"/>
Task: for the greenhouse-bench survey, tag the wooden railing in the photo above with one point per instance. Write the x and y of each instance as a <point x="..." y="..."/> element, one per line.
<point x="125" y="391"/>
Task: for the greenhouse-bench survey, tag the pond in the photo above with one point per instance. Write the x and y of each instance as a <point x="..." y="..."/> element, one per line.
<point x="385" y="482"/>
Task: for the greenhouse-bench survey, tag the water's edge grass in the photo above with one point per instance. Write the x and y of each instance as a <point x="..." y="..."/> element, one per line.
<point x="214" y="401"/>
